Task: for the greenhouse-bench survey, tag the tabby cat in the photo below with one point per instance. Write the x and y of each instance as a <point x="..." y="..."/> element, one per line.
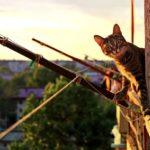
<point x="130" y="61"/>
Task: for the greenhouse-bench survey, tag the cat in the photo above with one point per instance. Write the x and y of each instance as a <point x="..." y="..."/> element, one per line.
<point x="130" y="61"/>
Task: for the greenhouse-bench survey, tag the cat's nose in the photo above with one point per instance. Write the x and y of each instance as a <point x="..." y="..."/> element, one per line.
<point x="118" y="50"/>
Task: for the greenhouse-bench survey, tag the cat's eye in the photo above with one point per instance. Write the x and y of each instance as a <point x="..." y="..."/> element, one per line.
<point x="108" y="48"/>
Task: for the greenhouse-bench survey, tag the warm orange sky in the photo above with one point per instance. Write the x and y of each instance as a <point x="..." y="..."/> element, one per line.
<point x="68" y="25"/>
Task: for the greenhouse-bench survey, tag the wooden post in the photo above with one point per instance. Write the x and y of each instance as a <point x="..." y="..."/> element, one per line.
<point x="147" y="53"/>
<point x="147" y="42"/>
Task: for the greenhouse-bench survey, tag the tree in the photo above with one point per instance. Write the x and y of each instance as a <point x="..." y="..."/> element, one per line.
<point x="7" y="106"/>
<point x="9" y="89"/>
<point x="75" y="120"/>
<point x="37" y="77"/>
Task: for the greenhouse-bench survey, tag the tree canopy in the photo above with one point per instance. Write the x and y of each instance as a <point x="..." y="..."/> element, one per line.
<point x="36" y="77"/>
<point x="77" y="119"/>
<point x="6" y="105"/>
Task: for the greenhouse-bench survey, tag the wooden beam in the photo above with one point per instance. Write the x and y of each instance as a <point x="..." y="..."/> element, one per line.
<point x="61" y="70"/>
<point x="147" y="60"/>
<point x="107" y="72"/>
<point x="147" y="42"/>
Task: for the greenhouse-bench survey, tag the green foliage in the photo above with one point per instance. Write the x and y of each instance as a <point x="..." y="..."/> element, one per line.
<point x="9" y="89"/>
<point x="77" y="119"/>
<point x="7" y="106"/>
<point x="34" y="78"/>
<point x="5" y="70"/>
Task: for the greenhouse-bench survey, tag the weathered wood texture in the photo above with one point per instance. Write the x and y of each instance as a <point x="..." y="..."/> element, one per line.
<point x="147" y="52"/>
<point x="147" y="42"/>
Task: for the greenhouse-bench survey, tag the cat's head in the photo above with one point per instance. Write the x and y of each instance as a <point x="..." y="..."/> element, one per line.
<point x="114" y="45"/>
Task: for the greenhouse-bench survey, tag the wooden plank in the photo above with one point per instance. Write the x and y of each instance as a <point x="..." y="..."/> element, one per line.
<point x="121" y="121"/>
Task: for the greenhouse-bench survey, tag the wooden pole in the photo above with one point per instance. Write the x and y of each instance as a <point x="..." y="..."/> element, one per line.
<point x="50" y="65"/>
<point x="147" y="57"/>
<point x="107" y="72"/>
<point x="59" y="69"/>
<point x="147" y="42"/>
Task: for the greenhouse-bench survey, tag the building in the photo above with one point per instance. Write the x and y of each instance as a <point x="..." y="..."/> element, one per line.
<point x="8" y="68"/>
<point x="20" y="99"/>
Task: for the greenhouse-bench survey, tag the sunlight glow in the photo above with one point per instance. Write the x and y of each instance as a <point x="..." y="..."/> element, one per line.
<point x="69" y="26"/>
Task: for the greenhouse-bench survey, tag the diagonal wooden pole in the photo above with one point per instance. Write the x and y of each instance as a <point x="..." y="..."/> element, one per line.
<point x="107" y="72"/>
<point x="61" y="70"/>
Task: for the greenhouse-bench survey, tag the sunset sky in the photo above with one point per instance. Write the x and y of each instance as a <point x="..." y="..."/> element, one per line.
<point x="68" y="25"/>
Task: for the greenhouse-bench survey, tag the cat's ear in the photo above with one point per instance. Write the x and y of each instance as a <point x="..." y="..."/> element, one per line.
<point x="99" y="40"/>
<point x="116" y="29"/>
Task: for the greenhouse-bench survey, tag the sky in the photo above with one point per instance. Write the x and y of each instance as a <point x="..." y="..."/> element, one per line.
<point x="68" y="25"/>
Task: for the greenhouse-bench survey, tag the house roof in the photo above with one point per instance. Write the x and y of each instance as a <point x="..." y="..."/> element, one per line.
<point x="25" y="92"/>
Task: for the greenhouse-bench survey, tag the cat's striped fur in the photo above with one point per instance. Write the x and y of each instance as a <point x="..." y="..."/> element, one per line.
<point x="130" y="61"/>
